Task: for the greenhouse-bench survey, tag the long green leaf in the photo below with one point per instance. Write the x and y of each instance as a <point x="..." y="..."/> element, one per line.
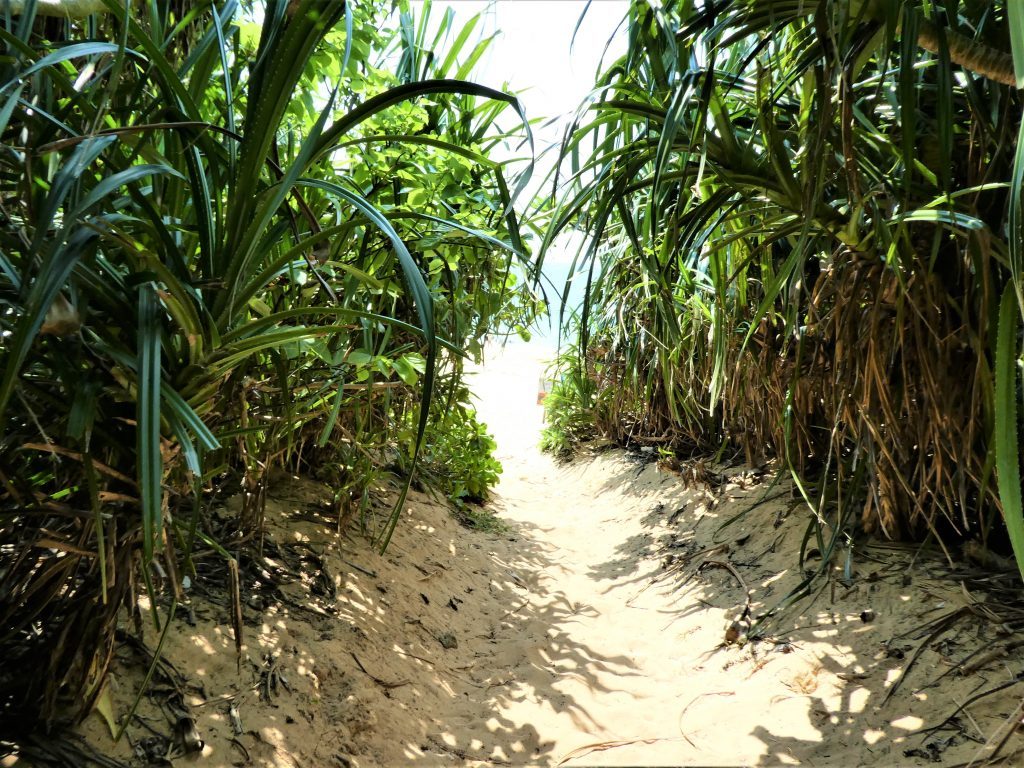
<point x="150" y="464"/>
<point x="1007" y="426"/>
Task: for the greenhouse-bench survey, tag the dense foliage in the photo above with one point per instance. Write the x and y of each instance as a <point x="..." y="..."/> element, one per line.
<point x="458" y="456"/>
<point x="571" y="409"/>
<point x="801" y="225"/>
<point x="234" y="237"/>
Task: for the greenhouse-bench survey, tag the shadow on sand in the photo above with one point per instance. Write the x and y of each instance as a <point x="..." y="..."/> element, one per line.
<point x="460" y="646"/>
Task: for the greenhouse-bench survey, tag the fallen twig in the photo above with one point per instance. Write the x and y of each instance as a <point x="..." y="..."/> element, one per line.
<point x="462" y="754"/>
<point x="365" y="571"/>
<point x="693" y="701"/>
<point x="515" y="610"/>
<point x="236" y="609"/>
<point x="226" y="697"/>
<point x="976" y="697"/>
<point x="241" y="748"/>
<point x="941" y="625"/>
<point x="994" y="655"/>
<point x="600" y="746"/>
<point x="1011" y="723"/>
<point x="414" y="656"/>
<point x="745" y="614"/>
<point x="377" y="680"/>
<point x="964" y="668"/>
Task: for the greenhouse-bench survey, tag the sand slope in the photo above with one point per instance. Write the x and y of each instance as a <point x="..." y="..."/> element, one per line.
<point x="592" y="632"/>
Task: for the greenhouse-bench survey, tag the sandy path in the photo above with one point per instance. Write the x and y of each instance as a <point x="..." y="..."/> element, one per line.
<point x="591" y="632"/>
<point x="607" y="669"/>
<point x="584" y="651"/>
<point x="588" y="668"/>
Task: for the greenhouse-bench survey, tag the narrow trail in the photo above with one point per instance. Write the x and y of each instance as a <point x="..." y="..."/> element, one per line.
<point x="589" y="662"/>
<point x="600" y="628"/>
<point x="619" y="655"/>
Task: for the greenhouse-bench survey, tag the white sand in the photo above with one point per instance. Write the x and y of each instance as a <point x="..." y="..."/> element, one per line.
<point x="592" y="633"/>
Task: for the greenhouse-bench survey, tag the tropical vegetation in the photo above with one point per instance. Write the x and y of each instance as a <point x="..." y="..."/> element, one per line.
<point x="803" y="244"/>
<point x="235" y="237"/>
<point x="240" y="237"/>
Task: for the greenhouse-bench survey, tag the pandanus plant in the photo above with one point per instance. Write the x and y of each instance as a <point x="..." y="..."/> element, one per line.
<point x="192" y="268"/>
<point x="797" y="219"/>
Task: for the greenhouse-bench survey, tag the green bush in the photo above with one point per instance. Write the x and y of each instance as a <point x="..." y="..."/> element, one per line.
<point x="227" y="244"/>
<point x="458" y="456"/>
<point x="569" y="408"/>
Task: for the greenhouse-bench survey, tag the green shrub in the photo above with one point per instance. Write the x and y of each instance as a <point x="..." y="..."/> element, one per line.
<point x="227" y="244"/>
<point x="569" y="408"/>
<point x="458" y="456"/>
